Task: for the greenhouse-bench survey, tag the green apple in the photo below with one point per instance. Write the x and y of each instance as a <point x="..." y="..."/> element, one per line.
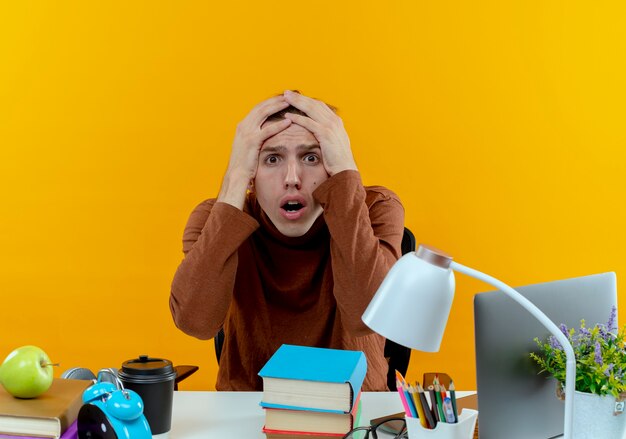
<point x="26" y="372"/>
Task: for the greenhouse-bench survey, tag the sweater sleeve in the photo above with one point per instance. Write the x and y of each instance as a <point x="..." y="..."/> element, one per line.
<point x="202" y="288"/>
<point x="366" y="231"/>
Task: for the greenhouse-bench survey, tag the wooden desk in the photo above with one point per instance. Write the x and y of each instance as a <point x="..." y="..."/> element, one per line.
<point x="215" y="415"/>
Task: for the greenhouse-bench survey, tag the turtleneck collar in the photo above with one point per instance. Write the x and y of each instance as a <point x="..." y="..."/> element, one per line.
<point x="313" y="235"/>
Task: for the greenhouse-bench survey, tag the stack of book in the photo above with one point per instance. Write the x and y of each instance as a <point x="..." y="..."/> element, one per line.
<point x="312" y="393"/>
<point x="50" y="415"/>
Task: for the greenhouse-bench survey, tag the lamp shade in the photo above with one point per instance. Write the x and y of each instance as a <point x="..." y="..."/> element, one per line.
<point x="413" y="303"/>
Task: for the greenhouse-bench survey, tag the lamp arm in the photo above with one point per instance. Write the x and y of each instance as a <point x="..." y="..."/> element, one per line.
<point x="570" y="369"/>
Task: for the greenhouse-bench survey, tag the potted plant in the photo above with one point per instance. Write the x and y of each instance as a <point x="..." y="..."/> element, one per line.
<point x="600" y="376"/>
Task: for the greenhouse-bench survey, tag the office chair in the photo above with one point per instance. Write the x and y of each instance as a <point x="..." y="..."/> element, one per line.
<point x="397" y="355"/>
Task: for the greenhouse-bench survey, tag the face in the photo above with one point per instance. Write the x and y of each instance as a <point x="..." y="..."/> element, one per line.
<point x="290" y="169"/>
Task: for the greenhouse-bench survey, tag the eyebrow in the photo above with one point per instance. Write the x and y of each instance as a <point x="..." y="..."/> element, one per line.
<point x="300" y="148"/>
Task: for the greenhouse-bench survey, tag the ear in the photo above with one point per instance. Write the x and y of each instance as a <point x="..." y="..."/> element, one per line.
<point x="251" y="186"/>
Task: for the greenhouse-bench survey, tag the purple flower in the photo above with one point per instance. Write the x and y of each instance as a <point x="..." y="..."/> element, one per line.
<point x="598" y="354"/>
<point x="564" y="330"/>
<point x="608" y="370"/>
<point x="584" y="331"/>
<point x="611" y="325"/>
<point x="554" y="343"/>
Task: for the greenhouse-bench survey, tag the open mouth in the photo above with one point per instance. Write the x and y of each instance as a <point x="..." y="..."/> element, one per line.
<point x="292" y="206"/>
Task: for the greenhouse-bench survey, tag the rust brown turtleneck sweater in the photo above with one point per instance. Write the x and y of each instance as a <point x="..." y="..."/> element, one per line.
<point x="267" y="289"/>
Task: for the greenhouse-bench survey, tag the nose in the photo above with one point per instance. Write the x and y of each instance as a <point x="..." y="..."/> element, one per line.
<point x="292" y="175"/>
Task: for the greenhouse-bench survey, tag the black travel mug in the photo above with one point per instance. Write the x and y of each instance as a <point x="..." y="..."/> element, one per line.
<point x="153" y="379"/>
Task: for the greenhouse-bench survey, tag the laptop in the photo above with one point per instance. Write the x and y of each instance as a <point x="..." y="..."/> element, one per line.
<point x="515" y="402"/>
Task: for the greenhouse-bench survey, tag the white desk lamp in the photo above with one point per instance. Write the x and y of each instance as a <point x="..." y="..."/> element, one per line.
<point x="413" y="303"/>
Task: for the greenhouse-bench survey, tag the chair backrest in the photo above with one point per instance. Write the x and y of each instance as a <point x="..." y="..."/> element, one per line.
<point x="398" y="356"/>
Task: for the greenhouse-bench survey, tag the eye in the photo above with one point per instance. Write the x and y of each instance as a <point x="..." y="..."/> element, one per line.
<point x="311" y="158"/>
<point x="271" y="160"/>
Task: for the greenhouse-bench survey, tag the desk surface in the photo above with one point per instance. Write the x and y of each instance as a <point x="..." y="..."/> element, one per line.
<point x="238" y="414"/>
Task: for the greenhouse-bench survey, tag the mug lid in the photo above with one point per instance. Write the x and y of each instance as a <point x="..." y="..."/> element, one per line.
<point x="146" y="368"/>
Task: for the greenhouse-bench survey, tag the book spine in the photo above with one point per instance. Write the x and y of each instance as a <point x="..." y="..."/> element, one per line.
<point x="357" y="378"/>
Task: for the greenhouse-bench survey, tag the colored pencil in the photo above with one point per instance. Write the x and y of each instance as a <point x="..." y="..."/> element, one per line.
<point x="442" y="416"/>
<point x="427" y="412"/>
<point x="433" y="402"/>
<point x="407" y="411"/>
<point x="412" y="411"/>
<point x="410" y="401"/>
<point x="453" y="400"/>
<point x="418" y="407"/>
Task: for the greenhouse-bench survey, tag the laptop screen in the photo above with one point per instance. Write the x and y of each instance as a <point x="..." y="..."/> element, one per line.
<point x="515" y="402"/>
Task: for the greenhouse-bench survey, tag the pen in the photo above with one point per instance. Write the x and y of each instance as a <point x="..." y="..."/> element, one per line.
<point x="453" y="400"/>
<point x="447" y="406"/>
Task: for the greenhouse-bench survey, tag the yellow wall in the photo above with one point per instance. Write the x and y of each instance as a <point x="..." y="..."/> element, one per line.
<point x="500" y="124"/>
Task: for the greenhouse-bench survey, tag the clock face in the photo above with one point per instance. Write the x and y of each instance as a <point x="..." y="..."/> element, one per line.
<point x="92" y="423"/>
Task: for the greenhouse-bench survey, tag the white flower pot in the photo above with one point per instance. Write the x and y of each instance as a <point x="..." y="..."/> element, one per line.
<point x="594" y="417"/>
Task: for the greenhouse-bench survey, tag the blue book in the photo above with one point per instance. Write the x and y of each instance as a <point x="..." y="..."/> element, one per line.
<point x="308" y="378"/>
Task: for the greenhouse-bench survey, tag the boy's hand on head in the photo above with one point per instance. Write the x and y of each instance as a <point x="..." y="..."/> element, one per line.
<point x="249" y="136"/>
<point x="244" y="156"/>
<point x="327" y="128"/>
